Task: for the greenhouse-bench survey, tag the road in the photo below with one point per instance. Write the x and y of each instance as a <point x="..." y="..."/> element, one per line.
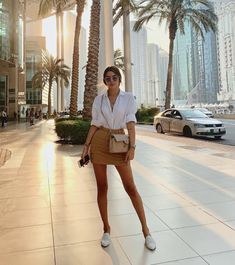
<point x="227" y="139"/>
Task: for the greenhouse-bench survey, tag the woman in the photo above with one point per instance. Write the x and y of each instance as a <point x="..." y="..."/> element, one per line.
<point x="112" y="112"/>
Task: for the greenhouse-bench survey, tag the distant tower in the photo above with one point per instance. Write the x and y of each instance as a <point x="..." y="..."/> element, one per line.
<point x="226" y="51"/>
<point x="153" y="75"/>
<point x="139" y="60"/>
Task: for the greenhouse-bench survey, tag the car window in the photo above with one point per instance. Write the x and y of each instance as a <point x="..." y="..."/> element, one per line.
<point x="176" y="114"/>
<point x="167" y="114"/>
<point x="193" y="113"/>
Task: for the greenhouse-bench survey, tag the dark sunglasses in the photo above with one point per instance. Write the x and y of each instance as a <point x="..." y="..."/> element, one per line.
<point x="109" y="79"/>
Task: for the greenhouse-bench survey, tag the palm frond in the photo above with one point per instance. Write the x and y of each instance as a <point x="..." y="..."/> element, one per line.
<point x="45" y="7"/>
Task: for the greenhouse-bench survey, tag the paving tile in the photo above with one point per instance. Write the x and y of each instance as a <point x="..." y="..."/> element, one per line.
<point x="68" y="198"/>
<point x="231" y="224"/>
<point x="183" y="217"/>
<point x="75" y="212"/>
<point x="169" y="248"/>
<point x="24" y="203"/>
<point x="77" y="231"/>
<point x="226" y="258"/>
<point x="165" y="201"/>
<point x="121" y="206"/>
<point x="120" y="224"/>
<point x="223" y="211"/>
<point x="14" y="219"/>
<point x="36" y="257"/>
<point x="27" y="238"/>
<point x="209" y="239"/>
<point x="207" y="196"/>
<point x="192" y="261"/>
<point x="91" y="253"/>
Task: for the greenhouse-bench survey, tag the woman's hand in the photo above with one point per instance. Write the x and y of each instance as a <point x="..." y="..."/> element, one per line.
<point x="130" y="154"/>
<point x="85" y="151"/>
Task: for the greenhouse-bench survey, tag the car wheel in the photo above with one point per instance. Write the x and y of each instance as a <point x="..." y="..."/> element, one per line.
<point x="218" y="137"/>
<point x="187" y="131"/>
<point x="159" y="128"/>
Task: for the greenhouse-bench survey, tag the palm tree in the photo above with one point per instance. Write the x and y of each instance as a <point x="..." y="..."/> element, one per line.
<point x="198" y="13"/>
<point x="123" y="9"/>
<point x="119" y="60"/>
<point x="75" y="67"/>
<point x="93" y="60"/>
<point x="48" y="73"/>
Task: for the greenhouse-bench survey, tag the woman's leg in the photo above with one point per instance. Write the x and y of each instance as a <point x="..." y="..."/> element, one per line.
<point x="125" y="173"/>
<point x="102" y="189"/>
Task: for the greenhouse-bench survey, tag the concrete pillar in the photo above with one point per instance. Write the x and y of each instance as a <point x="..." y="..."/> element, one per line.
<point x="127" y="49"/>
<point x="106" y="41"/>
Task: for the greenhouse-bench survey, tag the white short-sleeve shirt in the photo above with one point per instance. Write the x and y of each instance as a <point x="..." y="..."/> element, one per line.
<point x="123" y="111"/>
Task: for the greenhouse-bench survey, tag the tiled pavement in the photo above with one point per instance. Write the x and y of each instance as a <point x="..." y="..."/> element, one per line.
<point x="49" y="213"/>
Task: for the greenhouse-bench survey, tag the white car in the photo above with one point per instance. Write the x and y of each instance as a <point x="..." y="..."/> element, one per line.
<point x="206" y="111"/>
<point x="189" y="122"/>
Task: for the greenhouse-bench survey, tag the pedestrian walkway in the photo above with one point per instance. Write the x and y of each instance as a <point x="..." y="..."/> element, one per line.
<point x="49" y="214"/>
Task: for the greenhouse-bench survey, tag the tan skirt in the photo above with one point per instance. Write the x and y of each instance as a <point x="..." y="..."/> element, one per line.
<point x="100" y="149"/>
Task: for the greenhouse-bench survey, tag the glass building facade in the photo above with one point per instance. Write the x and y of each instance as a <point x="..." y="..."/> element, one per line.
<point x="11" y="54"/>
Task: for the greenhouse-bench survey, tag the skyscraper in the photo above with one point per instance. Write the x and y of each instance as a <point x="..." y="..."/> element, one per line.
<point x="140" y="67"/>
<point x="195" y="67"/>
<point x="182" y="69"/>
<point x="12" y="77"/>
<point x="152" y="91"/>
<point x="164" y="58"/>
<point x="226" y="50"/>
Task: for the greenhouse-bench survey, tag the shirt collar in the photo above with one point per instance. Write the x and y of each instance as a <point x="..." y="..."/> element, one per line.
<point x="120" y="94"/>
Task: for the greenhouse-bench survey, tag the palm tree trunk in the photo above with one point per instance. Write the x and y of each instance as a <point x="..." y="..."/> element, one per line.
<point x="169" y="75"/>
<point x="62" y="56"/>
<point x="49" y="97"/>
<point x="92" y="64"/>
<point x="127" y="48"/>
<point x="75" y="67"/>
<point x="58" y="56"/>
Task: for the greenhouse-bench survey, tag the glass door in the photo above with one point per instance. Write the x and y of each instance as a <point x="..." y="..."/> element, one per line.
<point x="3" y="92"/>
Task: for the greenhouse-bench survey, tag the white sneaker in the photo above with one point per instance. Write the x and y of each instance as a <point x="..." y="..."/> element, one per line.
<point x="106" y="240"/>
<point x="150" y="243"/>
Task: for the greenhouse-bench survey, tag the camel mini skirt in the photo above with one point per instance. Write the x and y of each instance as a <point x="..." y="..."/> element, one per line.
<point x="100" y="148"/>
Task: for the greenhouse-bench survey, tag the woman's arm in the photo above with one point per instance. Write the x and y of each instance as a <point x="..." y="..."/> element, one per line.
<point x="90" y="134"/>
<point x="131" y="132"/>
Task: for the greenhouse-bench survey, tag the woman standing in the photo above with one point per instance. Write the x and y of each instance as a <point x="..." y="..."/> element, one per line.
<point x="111" y="113"/>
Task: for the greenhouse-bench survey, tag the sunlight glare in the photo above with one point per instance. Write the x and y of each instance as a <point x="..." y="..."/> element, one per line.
<point x="49" y="31"/>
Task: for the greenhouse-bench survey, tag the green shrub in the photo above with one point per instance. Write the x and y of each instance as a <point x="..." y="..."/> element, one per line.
<point x="73" y="130"/>
<point x="146" y="114"/>
<point x="59" y="119"/>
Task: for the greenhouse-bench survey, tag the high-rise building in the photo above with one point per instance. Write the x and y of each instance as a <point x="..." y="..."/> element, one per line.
<point x="195" y="67"/>
<point x="163" y="65"/>
<point x="139" y="68"/>
<point x="12" y="76"/>
<point x="226" y="50"/>
<point x="152" y="91"/>
<point x="36" y="97"/>
<point x="182" y="69"/>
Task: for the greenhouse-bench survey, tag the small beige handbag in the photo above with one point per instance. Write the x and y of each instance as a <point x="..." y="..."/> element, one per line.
<point x="118" y="143"/>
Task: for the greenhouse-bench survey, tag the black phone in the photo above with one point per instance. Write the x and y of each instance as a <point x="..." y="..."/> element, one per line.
<point x="82" y="163"/>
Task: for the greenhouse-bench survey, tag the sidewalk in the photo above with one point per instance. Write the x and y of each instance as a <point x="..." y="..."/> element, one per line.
<point x="49" y="214"/>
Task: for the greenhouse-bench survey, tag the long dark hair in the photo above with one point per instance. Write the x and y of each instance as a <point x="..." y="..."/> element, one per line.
<point x="113" y="69"/>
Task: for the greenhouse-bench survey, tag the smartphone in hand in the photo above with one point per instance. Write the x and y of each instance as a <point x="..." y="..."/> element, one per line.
<point x="82" y="163"/>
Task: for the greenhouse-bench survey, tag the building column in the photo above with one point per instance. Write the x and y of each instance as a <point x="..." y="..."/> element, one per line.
<point x="106" y="41"/>
<point x="127" y="48"/>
